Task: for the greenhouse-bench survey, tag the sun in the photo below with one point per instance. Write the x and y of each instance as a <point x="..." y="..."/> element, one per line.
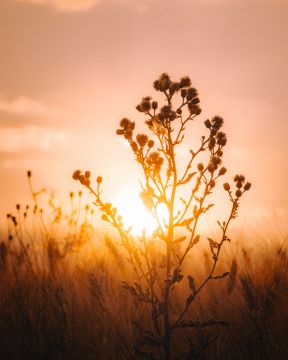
<point x="130" y="206"/>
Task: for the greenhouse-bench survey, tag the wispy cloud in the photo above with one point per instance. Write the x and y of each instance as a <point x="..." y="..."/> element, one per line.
<point x="29" y="138"/>
<point x="85" y="5"/>
<point x="66" y="5"/>
<point x="25" y="106"/>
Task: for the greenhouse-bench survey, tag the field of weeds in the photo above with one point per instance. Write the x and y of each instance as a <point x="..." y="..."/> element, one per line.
<point x="62" y="294"/>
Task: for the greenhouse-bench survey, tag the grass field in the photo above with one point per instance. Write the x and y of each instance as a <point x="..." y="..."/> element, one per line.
<point x="62" y="298"/>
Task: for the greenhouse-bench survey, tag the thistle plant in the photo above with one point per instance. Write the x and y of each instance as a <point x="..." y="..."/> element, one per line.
<point x="165" y="182"/>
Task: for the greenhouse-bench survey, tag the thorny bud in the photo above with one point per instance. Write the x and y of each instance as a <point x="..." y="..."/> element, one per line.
<point x="150" y="143"/>
<point x="82" y="179"/>
<point x="247" y="186"/>
<point x="124" y="123"/>
<point x="163" y="83"/>
<point x="221" y="138"/>
<point x="207" y="123"/>
<point x="212" y="143"/>
<point x="76" y="174"/>
<point x="191" y="93"/>
<point x="185" y="82"/>
<point x="154" y="105"/>
<point x="240" y="178"/>
<point x="222" y="171"/>
<point x="226" y="187"/>
<point x="212" y="184"/>
<point x="183" y="93"/>
<point x="238" y="193"/>
<point x="119" y="132"/>
<point x="211" y="168"/>
<point x="134" y="146"/>
<point x="142" y="139"/>
<point x="128" y="134"/>
<point x="87" y="174"/>
<point x="239" y="184"/>
<point x="200" y="167"/>
<point x="99" y="179"/>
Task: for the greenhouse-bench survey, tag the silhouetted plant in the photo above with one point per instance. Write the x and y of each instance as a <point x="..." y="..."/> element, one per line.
<point x="164" y="183"/>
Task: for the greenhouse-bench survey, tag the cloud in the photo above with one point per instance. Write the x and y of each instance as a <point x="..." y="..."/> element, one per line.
<point x="15" y="140"/>
<point x="66" y="5"/>
<point x="25" y="106"/>
<point x="85" y="5"/>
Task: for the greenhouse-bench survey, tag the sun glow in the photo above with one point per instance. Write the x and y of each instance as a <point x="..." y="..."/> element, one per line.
<point x="130" y="206"/>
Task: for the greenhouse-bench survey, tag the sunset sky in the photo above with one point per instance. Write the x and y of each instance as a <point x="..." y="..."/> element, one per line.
<point x="71" y="69"/>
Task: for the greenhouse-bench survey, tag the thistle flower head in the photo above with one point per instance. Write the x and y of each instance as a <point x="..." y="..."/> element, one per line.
<point x="226" y="187"/>
<point x="200" y="167"/>
<point x="238" y="193"/>
<point x="76" y="174"/>
<point x="185" y="82"/>
<point x="142" y="139"/>
<point x="222" y="171"/>
<point x="247" y="186"/>
<point x="150" y="143"/>
<point x="163" y="83"/>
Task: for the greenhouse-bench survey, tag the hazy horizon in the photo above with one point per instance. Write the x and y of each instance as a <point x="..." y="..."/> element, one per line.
<point x="70" y="73"/>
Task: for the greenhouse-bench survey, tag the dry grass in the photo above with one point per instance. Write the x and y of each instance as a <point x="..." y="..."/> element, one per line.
<point x="61" y="295"/>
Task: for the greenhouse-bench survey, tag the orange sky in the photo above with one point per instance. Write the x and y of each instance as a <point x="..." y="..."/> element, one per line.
<point x="70" y="69"/>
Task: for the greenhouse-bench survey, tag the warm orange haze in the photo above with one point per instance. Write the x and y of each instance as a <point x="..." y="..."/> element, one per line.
<point x="131" y="132"/>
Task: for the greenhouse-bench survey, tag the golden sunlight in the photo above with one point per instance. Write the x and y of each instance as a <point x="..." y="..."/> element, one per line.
<point x="131" y="207"/>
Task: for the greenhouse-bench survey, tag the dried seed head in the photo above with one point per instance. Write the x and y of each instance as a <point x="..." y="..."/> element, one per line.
<point x="82" y="179"/>
<point x="134" y="146"/>
<point x="247" y="186"/>
<point x="200" y="167"/>
<point x="212" y="184"/>
<point x="207" y="124"/>
<point x="185" y="82"/>
<point x="150" y="143"/>
<point x="226" y="187"/>
<point x="124" y="123"/>
<point x="239" y="178"/>
<point x="183" y="93"/>
<point x="87" y="174"/>
<point x="191" y="93"/>
<point x="29" y="173"/>
<point x="238" y="193"/>
<point x="239" y="184"/>
<point x="128" y="134"/>
<point x="99" y="179"/>
<point x="222" y="171"/>
<point x="142" y="139"/>
<point x="211" y="168"/>
<point x="76" y="174"/>
<point x="154" y="105"/>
